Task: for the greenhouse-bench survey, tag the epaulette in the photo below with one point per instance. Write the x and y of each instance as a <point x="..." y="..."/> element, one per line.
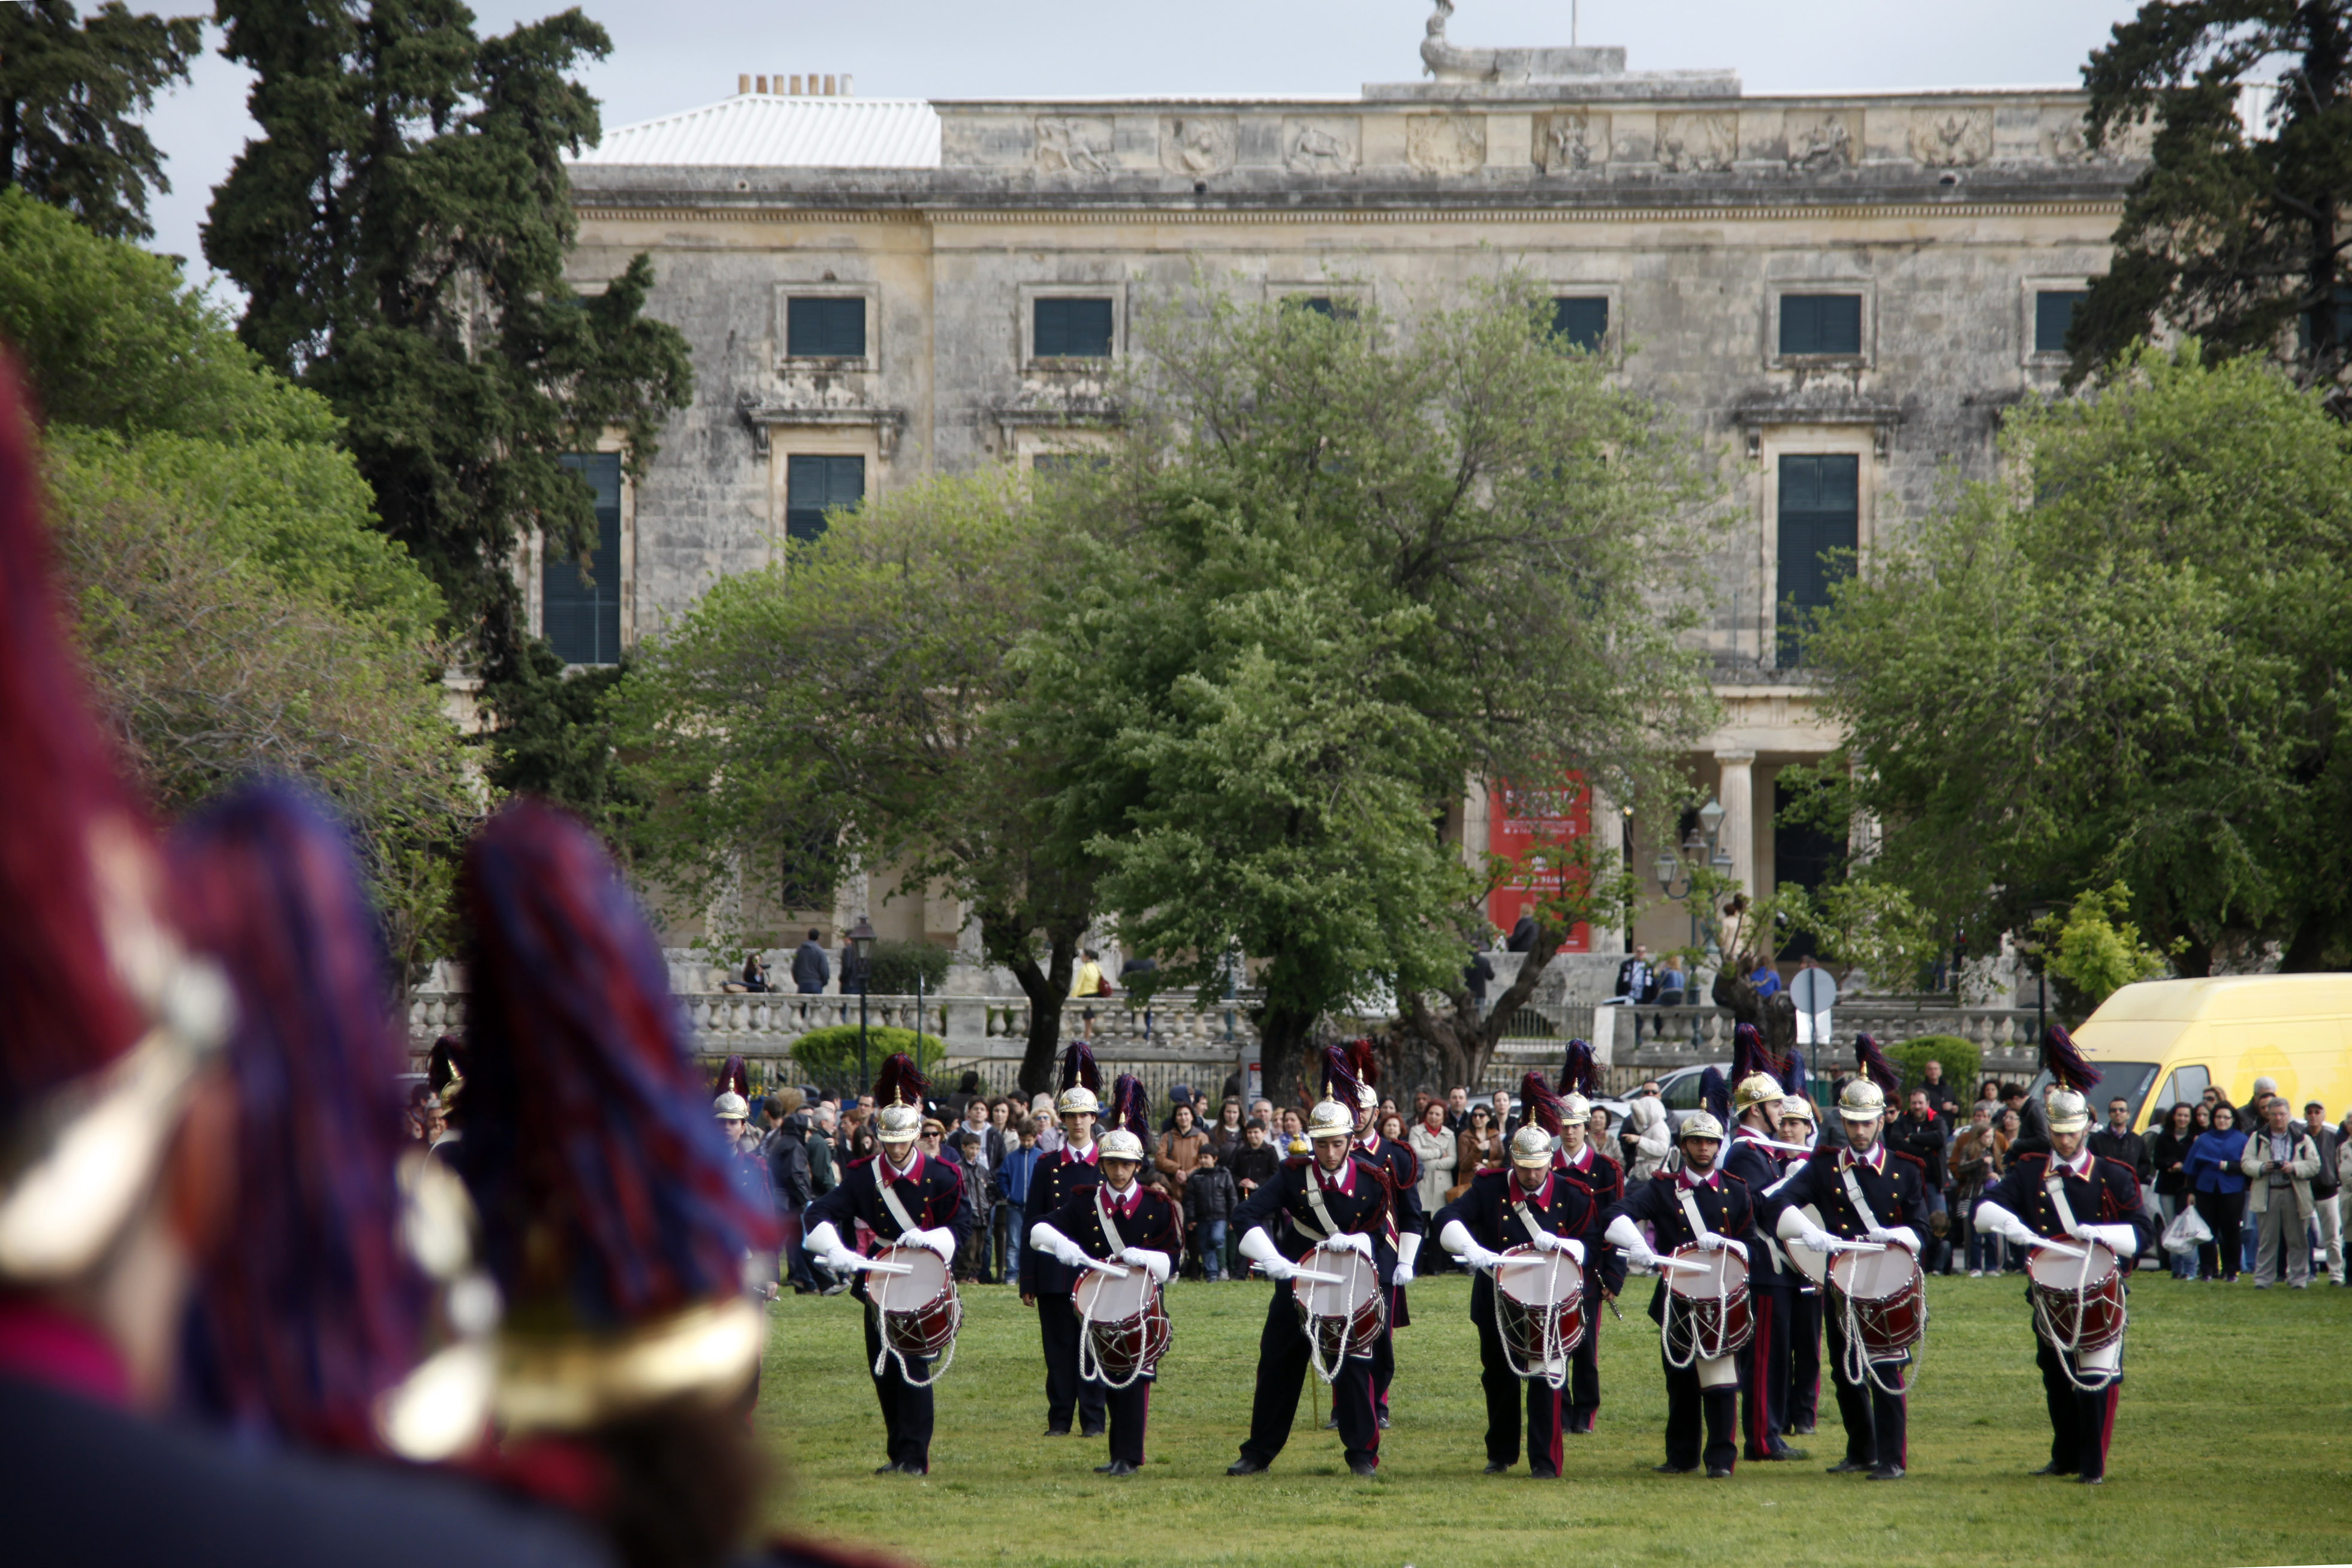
<point x="1914" y="1159"/>
<point x="1292" y="1163"/>
<point x="1728" y="1176"/>
<point x="2125" y="1167"/>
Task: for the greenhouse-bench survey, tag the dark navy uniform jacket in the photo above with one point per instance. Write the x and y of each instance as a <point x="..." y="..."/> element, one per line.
<point x="1144" y="1217"/>
<point x="1564" y="1207"/>
<point x="1724" y="1206"/>
<point x="1404" y="1179"/>
<point x="2106" y="1193"/>
<point x="1760" y="1167"/>
<point x="1358" y="1199"/>
<point x="1895" y="1185"/>
<point x="932" y="1194"/>
<point x="1053" y="1181"/>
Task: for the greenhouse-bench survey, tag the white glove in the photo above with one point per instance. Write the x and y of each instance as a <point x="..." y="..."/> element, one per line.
<point x="1477" y="1256"/>
<point x="1143" y="1258"/>
<point x="1715" y="1243"/>
<point x="1626" y="1236"/>
<point x="1402" y="1274"/>
<point x="825" y="1242"/>
<point x="1899" y="1236"/>
<point x="1457" y="1239"/>
<point x="1545" y="1241"/>
<point x="1277" y="1268"/>
<point x="1408" y="1251"/>
<point x="1795" y="1227"/>
<point x="1351" y="1241"/>
<point x="941" y="1241"/>
<point x="1259" y="1248"/>
<point x="2122" y="1238"/>
<point x="1991" y="1217"/>
<point x="1056" y="1245"/>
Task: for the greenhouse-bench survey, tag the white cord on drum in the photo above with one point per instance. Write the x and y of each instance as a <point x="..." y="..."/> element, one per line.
<point x="1858" y="1365"/>
<point x="889" y="1352"/>
<point x="1555" y="1352"/>
<point x="2070" y="1351"/>
<point x="1697" y="1354"/>
<point x="1087" y="1353"/>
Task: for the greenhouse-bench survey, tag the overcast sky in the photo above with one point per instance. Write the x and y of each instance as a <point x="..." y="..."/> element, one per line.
<point x="670" y="55"/>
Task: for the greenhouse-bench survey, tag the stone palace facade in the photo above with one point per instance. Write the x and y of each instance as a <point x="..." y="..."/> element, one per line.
<point x="1841" y="293"/>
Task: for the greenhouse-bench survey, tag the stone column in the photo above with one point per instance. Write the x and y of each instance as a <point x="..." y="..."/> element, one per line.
<point x="1737" y="791"/>
<point x="1609" y="836"/>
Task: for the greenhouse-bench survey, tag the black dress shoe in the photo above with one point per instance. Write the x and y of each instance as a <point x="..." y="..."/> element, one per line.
<point x="1116" y="1467"/>
<point x="1493" y="1469"/>
<point x="1331" y="1424"/>
<point x="1785" y="1452"/>
<point x="1384" y="1423"/>
<point x="1804" y="1431"/>
<point x="1848" y="1466"/>
<point x="2052" y="1468"/>
<point x="889" y="1469"/>
<point x="1104" y="1470"/>
<point x="1246" y="1466"/>
<point x="1718" y="1473"/>
<point x="1670" y="1469"/>
<point x="1885" y="1472"/>
<point x="1543" y="1472"/>
<point x="1094" y="1431"/>
<point x="1365" y="1466"/>
<point x="2093" y="1480"/>
<point x="1057" y="1431"/>
<point x="1580" y="1429"/>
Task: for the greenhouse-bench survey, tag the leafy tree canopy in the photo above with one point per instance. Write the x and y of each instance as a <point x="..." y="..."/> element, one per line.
<point x="2123" y="662"/>
<point x="69" y="90"/>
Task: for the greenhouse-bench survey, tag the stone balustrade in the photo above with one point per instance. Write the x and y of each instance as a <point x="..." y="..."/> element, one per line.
<point x="1665" y="1037"/>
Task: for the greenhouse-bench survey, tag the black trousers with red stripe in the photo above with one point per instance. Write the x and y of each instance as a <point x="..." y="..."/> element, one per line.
<point x="1802" y="1406"/>
<point x="2081" y="1425"/>
<point x="1282" y="1364"/>
<point x="1066" y="1391"/>
<point x="1506" y="1389"/>
<point x="1877" y="1424"/>
<point x="1584" y="1366"/>
<point x="1764" y="1369"/>
<point x="1130" y="1411"/>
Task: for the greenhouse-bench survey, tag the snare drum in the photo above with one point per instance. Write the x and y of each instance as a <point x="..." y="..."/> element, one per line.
<point x="1886" y="1294"/>
<point x="919" y="1309"/>
<point x="1711" y="1299"/>
<point x="2079" y="1301"/>
<point x="1127" y="1325"/>
<point x="1813" y="1265"/>
<point x="1343" y="1319"/>
<point x="1540" y="1310"/>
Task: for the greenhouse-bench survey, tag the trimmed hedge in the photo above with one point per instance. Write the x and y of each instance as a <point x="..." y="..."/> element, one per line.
<point x="832" y="1052"/>
<point x="1959" y="1058"/>
<point x="894" y="965"/>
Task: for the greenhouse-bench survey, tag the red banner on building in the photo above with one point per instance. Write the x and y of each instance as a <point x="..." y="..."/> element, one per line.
<point x="1535" y="829"/>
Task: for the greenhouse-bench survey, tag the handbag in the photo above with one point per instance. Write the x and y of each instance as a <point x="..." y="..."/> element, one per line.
<point x="2188" y="1231"/>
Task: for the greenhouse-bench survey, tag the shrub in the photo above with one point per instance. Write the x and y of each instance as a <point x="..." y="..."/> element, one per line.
<point x="832" y="1052"/>
<point x="1958" y="1055"/>
<point x="897" y="963"/>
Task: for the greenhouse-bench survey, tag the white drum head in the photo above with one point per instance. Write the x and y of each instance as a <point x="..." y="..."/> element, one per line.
<point x="1111" y="1301"/>
<point x="2056" y="1271"/>
<point x="1813" y="1265"/>
<point x="1874" y="1276"/>
<point x="1718" y="1274"/>
<point x="1357" y="1282"/>
<point x="907" y="1292"/>
<point x="1546" y="1280"/>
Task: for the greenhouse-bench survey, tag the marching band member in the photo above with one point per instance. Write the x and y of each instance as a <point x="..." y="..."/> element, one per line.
<point x="1863" y="1192"/>
<point x="903" y="1198"/>
<point x="1045" y="1280"/>
<point x="1754" y="1156"/>
<point x="1335" y="1197"/>
<point x="1694" y="1204"/>
<point x="1120" y="1220"/>
<point x="1803" y="1400"/>
<point x="1408" y="1222"/>
<point x="1533" y="1204"/>
<point x="2070" y="1194"/>
<point x="1604" y="1179"/>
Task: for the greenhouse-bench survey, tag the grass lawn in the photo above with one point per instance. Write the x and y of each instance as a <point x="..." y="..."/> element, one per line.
<point x="2232" y="1446"/>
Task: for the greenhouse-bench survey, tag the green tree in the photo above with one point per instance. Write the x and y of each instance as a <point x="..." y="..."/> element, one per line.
<point x="1345" y="566"/>
<point x="2096" y="950"/>
<point x="1860" y="922"/>
<point x="400" y="229"/>
<point x="2238" y="238"/>
<point x="69" y="90"/>
<point x="2123" y="662"/>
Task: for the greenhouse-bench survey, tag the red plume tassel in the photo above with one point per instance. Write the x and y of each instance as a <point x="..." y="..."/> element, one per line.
<point x="1339" y="1080"/>
<point x="735" y="1077"/>
<point x="1078" y="1069"/>
<point x="1873" y="1061"/>
<point x="2065" y="1061"/>
<point x="1365" y="1060"/>
<point x="1545" y="1109"/>
<point x="1580" y="1071"/>
<point x="1131" y="1106"/>
<point x="900" y="1081"/>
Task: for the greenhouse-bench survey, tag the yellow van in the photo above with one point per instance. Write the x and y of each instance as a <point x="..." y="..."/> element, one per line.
<point x="2162" y="1041"/>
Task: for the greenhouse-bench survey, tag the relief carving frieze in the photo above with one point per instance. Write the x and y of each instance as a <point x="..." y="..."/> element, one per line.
<point x="1196" y="146"/>
<point x="1819" y="142"/>
<point x="2066" y="140"/>
<point x="1697" y="143"/>
<point x="1073" y="145"/>
<point x="1951" y="138"/>
<point x="1331" y="145"/>
<point x="1445" y="144"/>
<point x="1571" y="143"/>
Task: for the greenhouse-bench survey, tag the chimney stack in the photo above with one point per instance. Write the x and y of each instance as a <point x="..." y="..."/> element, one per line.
<point x="743" y="83"/>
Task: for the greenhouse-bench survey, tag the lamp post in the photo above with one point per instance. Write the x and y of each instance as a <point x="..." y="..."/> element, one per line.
<point x="861" y="938"/>
<point x="1701" y="849"/>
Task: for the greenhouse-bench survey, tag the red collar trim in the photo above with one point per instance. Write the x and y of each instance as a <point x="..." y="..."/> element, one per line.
<point x="41" y="1344"/>
<point x="2078" y="1166"/>
<point x="1125" y="1206"/>
<point x="1714" y="1178"/>
<point x="1876" y="1159"/>
<point x="1092" y="1155"/>
<point x="913" y="1173"/>
<point x="1540" y="1198"/>
<point x="1580" y="1161"/>
<point x="1344" y="1182"/>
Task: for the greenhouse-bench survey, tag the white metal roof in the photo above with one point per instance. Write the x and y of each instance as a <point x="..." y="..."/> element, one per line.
<point x="769" y="131"/>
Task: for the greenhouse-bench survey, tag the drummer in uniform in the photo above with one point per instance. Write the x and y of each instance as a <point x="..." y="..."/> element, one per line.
<point x="1117" y="1219"/>
<point x="1409" y="1222"/>
<point x="2071" y="1194"/>
<point x="1046" y="1282"/>
<point x="1335" y="1198"/>
<point x="1696" y="1203"/>
<point x="1604" y="1180"/>
<point x="1534" y="1203"/>
<point x="903" y="1199"/>
<point x="1754" y="1156"/>
<point x="1865" y="1191"/>
<point x="1802" y="1401"/>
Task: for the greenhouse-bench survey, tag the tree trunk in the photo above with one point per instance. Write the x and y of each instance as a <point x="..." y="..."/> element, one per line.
<point x="2306" y="951"/>
<point x="1774" y="1017"/>
<point x="1284" y="1037"/>
<point x="1462" y="1042"/>
<point x="1048" y="989"/>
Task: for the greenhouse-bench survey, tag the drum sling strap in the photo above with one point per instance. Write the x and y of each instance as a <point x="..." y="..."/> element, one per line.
<point x="1552" y="1364"/>
<point x="1330" y="1227"/>
<point x="2071" y="1355"/>
<point x="1716" y="1371"/>
<point x="907" y="1227"/>
<point x="1858" y="1364"/>
<point x="1116" y="1243"/>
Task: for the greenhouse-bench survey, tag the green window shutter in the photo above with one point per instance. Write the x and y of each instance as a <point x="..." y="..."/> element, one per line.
<point x="1064" y="328"/>
<point x="1820" y="324"/>
<point x="1820" y="522"/>
<point x="1583" y="321"/>
<point x="580" y="608"/>
<point x="819" y="327"/>
<point x="2054" y="312"/>
<point x="816" y="485"/>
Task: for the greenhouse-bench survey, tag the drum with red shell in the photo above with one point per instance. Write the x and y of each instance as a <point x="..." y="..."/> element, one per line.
<point x="2080" y="1292"/>
<point x="1343" y="1319"/>
<point x="1540" y="1310"/>
<point x="1710" y="1291"/>
<point x="918" y="1308"/>
<point x="1888" y="1295"/>
<point x="1127" y="1323"/>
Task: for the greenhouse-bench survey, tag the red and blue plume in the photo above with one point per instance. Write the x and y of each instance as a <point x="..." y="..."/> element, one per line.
<point x="1872" y="1062"/>
<point x="1746" y="1052"/>
<point x="1579" y="1070"/>
<point x="1714" y="1096"/>
<point x="608" y="1195"/>
<point x="1545" y="1109"/>
<point x="1364" y="1058"/>
<point x="316" y="1309"/>
<point x="2064" y="1060"/>
<point x="735" y="1077"/>
<point x="68" y="1014"/>
<point x="900" y="1082"/>
<point x="1339" y="1080"/>
<point x="1079" y="1069"/>
<point x="1130" y="1107"/>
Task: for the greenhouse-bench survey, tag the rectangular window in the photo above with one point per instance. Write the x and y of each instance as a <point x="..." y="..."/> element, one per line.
<point x="1821" y="522"/>
<point x="2054" y="312"/>
<point x="1069" y="462"/>
<point x="1802" y="856"/>
<point x="1072" y="327"/>
<point x="814" y="486"/>
<point x="1584" y="321"/>
<point x="581" y="607"/>
<point x="822" y="327"/>
<point x="1820" y="324"/>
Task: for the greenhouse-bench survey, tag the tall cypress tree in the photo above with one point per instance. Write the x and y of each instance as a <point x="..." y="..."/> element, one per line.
<point x="69" y="88"/>
<point x="400" y="230"/>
